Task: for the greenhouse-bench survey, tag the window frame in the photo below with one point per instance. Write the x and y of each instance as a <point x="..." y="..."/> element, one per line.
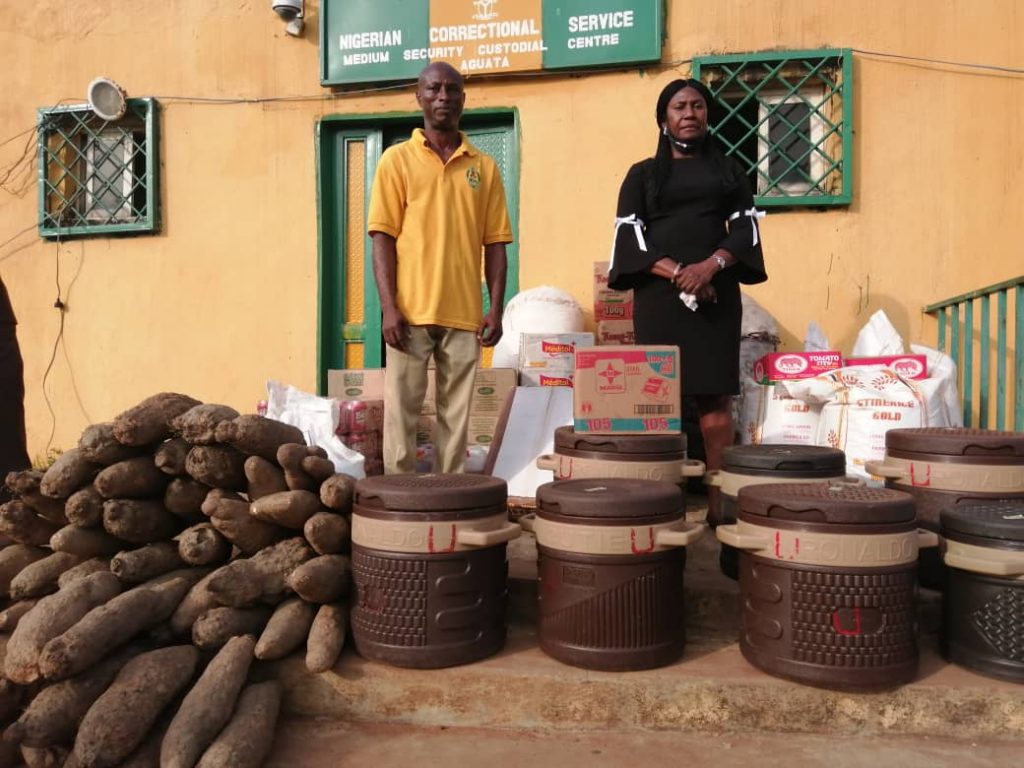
<point x="85" y="143"/>
<point x="819" y="131"/>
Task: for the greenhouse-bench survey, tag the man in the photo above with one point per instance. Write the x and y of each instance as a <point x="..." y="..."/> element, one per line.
<point x="436" y="202"/>
<point x="13" y="454"/>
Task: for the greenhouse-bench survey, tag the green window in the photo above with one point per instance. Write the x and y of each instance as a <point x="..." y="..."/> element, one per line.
<point x="98" y="177"/>
<point x="789" y="122"/>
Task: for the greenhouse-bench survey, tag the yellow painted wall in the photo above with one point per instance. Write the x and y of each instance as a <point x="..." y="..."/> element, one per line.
<point x="225" y="296"/>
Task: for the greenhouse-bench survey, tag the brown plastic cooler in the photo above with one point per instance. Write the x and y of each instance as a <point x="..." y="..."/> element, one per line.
<point x="949" y="467"/>
<point x="983" y="616"/>
<point x="827" y="580"/>
<point x="580" y="455"/>
<point x="429" y="568"/>
<point x="611" y="559"/>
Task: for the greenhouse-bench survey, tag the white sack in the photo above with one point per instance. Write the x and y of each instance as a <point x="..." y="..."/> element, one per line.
<point x="816" y="340"/>
<point x="769" y="415"/>
<point x="942" y="369"/>
<point x="878" y="337"/>
<point x="539" y="310"/>
<point x="317" y="417"/>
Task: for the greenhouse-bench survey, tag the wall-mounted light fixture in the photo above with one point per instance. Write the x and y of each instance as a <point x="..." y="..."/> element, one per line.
<point x="293" y="12"/>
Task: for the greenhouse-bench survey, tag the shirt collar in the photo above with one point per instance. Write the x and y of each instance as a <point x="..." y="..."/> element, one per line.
<point x="464" y="148"/>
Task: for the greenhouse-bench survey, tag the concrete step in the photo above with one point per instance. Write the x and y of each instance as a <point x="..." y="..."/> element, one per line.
<point x="306" y="743"/>
<point x="711" y="690"/>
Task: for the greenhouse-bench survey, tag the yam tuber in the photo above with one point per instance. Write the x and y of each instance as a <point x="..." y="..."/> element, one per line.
<point x="47" y="508"/>
<point x="23" y="481"/>
<point x="114" y="623"/>
<point x="318" y="468"/>
<point x="237" y="584"/>
<point x="84" y="508"/>
<point x="246" y="740"/>
<point x="40" y="577"/>
<point x="53" y="715"/>
<point x="208" y="706"/>
<point x="289" y="509"/>
<point x="12" y="614"/>
<point x="264" y="477"/>
<point x="203" y="545"/>
<point x="289" y="457"/>
<point x="326" y="637"/>
<point x="53" y="616"/>
<point x="337" y="492"/>
<point x="170" y="456"/>
<point x="149" y="422"/>
<point x="138" y="565"/>
<point x="219" y="466"/>
<point x="184" y="498"/>
<point x="258" y="435"/>
<point x="122" y="716"/>
<point x="328" y="533"/>
<point x="23" y="525"/>
<point x="137" y="478"/>
<point x="231" y="518"/>
<point x="274" y="563"/>
<point x="287" y="629"/>
<point x="218" y="625"/>
<point x="324" y="579"/>
<point x="83" y="569"/>
<point x="13" y="559"/>
<point x="67" y="474"/>
<point x="99" y="445"/>
<point x="196" y="602"/>
<point x="198" y="425"/>
<point x="139" y="521"/>
<point x="85" y="542"/>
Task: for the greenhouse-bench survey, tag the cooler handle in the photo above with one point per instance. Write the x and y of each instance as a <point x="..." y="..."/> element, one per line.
<point x="692" y="468"/>
<point x="926" y="538"/>
<point x="666" y="538"/>
<point x="528" y="521"/>
<point x="501" y="535"/>
<point x="994" y="566"/>
<point x="728" y="534"/>
<point x="547" y="461"/>
<point x="713" y="477"/>
<point x="880" y="469"/>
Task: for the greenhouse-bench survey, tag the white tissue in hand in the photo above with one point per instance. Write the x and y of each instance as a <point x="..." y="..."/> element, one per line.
<point x="689" y="300"/>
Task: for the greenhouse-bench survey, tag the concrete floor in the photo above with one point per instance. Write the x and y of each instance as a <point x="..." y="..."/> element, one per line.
<point x="332" y="744"/>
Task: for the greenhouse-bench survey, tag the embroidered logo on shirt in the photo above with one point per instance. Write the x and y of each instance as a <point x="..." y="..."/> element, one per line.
<point x="473" y="177"/>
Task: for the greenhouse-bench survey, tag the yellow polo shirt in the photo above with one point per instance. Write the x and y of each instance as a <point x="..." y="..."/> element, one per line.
<point x="441" y="215"/>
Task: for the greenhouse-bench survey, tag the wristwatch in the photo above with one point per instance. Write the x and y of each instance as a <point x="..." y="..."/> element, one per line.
<point x="720" y="260"/>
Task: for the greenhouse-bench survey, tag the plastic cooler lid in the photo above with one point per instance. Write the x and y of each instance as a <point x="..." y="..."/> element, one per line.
<point x="610" y="498"/>
<point x="825" y="502"/>
<point x="956" y="441"/>
<point x="566" y="438"/>
<point x="785" y="458"/>
<point x="997" y="520"/>
<point x="422" y="493"/>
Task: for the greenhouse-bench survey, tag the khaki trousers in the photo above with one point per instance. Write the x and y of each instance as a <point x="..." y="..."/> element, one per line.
<point x="455" y="355"/>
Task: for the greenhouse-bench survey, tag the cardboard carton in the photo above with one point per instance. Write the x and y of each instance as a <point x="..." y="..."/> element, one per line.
<point x="907" y="366"/>
<point x="632" y="390"/>
<point x="617" y="332"/>
<point x="785" y="366"/>
<point x="482" y="429"/>
<point x="356" y="384"/>
<point x="540" y="377"/>
<point x="554" y="351"/>
<point x="490" y="387"/>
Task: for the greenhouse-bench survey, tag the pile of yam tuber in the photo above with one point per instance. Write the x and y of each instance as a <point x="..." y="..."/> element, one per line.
<point x="149" y="572"/>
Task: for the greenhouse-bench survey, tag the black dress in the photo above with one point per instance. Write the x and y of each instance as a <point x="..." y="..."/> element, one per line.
<point x="704" y="204"/>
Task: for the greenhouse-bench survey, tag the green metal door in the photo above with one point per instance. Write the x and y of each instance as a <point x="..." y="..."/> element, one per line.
<point x="348" y="149"/>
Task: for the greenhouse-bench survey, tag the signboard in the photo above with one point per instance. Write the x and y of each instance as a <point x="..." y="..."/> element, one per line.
<point x="365" y="41"/>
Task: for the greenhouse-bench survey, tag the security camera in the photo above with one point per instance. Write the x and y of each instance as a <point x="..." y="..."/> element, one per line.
<point x="287" y="9"/>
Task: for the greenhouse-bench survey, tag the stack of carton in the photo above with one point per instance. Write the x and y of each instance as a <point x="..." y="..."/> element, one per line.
<point x="613" y="310"/>
<point x="549" y="359"/>
<point x="627" y="390"/>
<point x="490" y="388"/>
<point x="361" y="416"/>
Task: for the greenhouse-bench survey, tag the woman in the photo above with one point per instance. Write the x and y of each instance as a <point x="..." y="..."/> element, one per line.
<point x="686" y="237"/>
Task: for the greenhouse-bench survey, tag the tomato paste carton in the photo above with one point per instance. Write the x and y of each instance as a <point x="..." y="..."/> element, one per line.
<point x="784" y="366"/>
<point x="617" y="332"/>
<point x="556" y="351"/>
<point x="627" y="390"/>
<point x="907" y="366"/>
<point x="610" y="304"/>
